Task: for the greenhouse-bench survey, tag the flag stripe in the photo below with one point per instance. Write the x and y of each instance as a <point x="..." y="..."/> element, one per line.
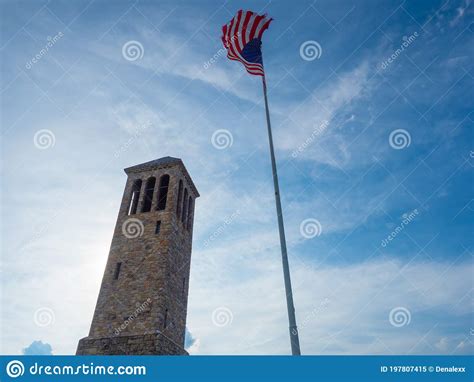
<point x="236" y="31"/>
<point x="231" y="36"/>
<point x="255" y="25"/>
<point x="224" y="35"/>
<point x="243" y="35"/>
<point x="264" y="27"/>
<point x="249" y="27"/>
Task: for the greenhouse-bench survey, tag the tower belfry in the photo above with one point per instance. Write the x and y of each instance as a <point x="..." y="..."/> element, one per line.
<point x="142" y="303"/>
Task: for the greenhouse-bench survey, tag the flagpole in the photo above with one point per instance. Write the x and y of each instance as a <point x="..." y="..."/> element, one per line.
<point x="295" y="342"/>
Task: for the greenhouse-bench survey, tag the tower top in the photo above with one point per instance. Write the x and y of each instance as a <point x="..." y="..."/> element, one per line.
<point x="163" y="163"/>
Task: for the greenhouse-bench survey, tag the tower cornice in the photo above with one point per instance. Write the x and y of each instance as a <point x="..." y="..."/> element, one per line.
<point x="163" y="163"/>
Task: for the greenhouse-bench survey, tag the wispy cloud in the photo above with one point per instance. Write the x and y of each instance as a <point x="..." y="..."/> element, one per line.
<point x="341" y="310"/>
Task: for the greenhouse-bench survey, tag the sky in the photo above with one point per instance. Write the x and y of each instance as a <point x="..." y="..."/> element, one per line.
<point x="372" y="113"/>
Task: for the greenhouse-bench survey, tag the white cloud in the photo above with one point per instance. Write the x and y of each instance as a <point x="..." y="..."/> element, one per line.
<point x="330" y="146"/>
<point x="38" y="348"/>
<point x="184" y="58"/>
<point x="340" y="310"/>
<point x="460" y="12"/>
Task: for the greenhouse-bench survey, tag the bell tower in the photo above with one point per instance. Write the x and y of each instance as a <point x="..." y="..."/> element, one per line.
<point x="142" y="303"/>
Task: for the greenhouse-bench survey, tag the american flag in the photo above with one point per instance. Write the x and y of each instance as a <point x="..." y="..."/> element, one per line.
<point x="242" y="37"/>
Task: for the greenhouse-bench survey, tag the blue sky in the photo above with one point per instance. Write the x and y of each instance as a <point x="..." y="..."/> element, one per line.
<point x="373" y="139"/>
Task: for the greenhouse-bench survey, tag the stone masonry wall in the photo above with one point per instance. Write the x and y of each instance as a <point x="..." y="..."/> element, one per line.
<point x="147" y="344"/>
<point x="152" y="287"/>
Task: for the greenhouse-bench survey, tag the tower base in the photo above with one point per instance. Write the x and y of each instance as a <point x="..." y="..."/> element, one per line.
<point x="145" y="344"/>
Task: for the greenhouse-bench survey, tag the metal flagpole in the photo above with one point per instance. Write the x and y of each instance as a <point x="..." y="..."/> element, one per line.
<point x="295" y="342"/>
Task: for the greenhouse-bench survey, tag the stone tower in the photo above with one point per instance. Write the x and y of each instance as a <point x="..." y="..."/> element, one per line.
<point x="142" y="303"/>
